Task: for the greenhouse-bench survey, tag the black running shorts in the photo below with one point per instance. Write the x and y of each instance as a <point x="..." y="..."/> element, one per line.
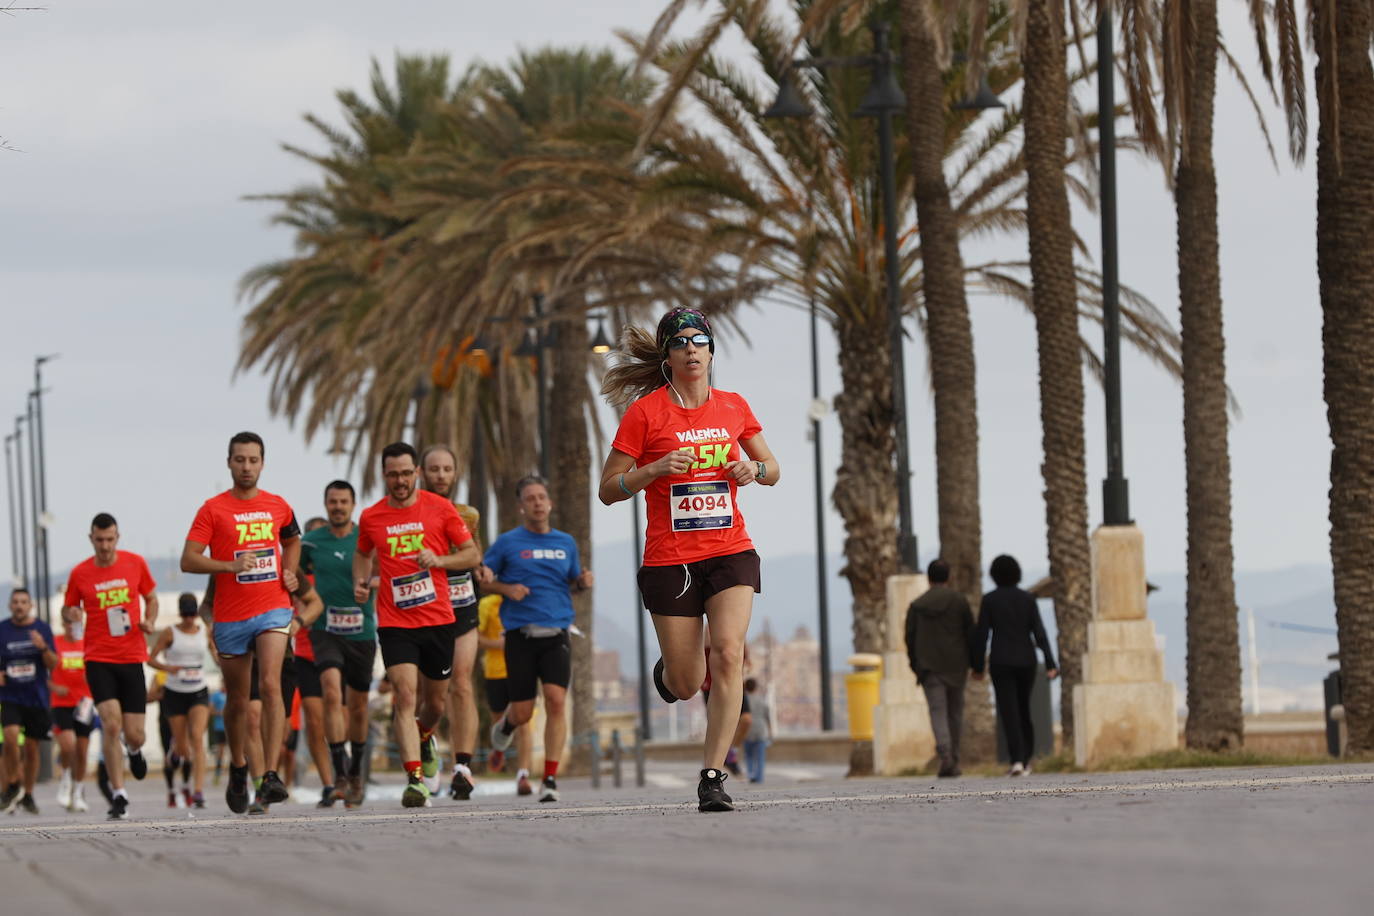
<point x="122" y="681"/>
<point x="498" y="694"/>
<point x="682" y="590"/>
<point x="33" y="720"/>
<point x="307" y="678"/>
<point x="354" y="657"/>
<point x="64" y="718"/>
<point x="175" y="703"/>
<point x="529" y="661"/>
<point x="428" y="648"/>
<point x="464" y="593"/>
<point x="288" y="682"/>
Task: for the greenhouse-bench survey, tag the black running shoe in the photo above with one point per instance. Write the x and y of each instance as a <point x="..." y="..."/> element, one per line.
<point x="711" y="792"/>
<point x="257" y="806"/>
<point x="327" y="798"/>
<point x="461" y="787"/>
<point x="10" y="793"/>
<point x="236" y="795"/>
<point x="272" y="790"/>
<point x="138" y="765"/>
<point x="662" y="688"/>
<point x="102" y="781"/>
<point x="119" y="809"/>
<point x="28" y="804"/>
<point x="548" y="790"/>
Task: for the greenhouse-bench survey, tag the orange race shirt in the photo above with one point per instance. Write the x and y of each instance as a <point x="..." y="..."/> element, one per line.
<point x="231" y="527"/>
<point x="694" y="515"/>
<point x="112" y="597"/>
<point x="70" y="672"/>
<point x="410" y="596"/>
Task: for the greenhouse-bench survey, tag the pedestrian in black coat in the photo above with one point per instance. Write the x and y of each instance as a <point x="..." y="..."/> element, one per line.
<point x="1010" y="614"/>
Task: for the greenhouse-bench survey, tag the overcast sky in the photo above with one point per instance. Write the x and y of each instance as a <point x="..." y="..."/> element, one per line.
<point x="123" y="234"/>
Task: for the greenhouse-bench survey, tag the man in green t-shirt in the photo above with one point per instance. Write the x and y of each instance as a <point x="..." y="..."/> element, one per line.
<point x="344" y="638"/>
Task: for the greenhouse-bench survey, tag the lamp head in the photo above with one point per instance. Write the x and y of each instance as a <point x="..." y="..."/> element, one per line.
<point x="789" y="103"/>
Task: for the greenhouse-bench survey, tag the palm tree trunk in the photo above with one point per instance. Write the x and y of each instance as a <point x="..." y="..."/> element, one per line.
<point x="1345" y="268"/>
<point x="571" y="488"/>
<point x="1056" y="329"/>
<point x="949" y="343"/>
<point x="515" y="453"/>
<point x="1215" y="718"/>
<point x="866" y="481"/>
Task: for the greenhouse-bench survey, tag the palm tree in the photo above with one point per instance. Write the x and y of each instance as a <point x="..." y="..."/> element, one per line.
<point x="1341" y="31"/>
<point x="1186" y="59"/>
<point x="1046" y="100"/>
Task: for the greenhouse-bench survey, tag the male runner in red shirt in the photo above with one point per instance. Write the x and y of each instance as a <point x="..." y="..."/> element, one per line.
<point x="254" y="550"/>
<point x="418" y="538"/>
<point x="73" y="711"/>
<point x="108" y="587"/>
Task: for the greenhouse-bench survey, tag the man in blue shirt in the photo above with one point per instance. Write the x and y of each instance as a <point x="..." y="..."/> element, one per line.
<point x="26" y="657"/>
<point x="536" y="568"/>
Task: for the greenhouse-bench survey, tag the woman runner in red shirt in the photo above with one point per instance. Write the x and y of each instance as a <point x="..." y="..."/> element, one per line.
<point x="685" y="444"/>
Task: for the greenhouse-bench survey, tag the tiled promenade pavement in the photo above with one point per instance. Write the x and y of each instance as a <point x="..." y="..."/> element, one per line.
<point x="1177" y="842"/>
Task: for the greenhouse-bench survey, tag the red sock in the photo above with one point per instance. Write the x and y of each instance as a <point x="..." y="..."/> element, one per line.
<point x="412" y="767"/>
<point x="550" y="769"/>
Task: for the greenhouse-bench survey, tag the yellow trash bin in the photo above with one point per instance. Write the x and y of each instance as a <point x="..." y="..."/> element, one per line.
<point x="861" y="686"/>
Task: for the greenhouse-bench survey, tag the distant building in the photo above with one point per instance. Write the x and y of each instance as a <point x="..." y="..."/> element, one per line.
<point x="607" y="684"/>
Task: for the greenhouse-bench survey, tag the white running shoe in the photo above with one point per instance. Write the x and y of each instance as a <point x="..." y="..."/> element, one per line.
<point x="1017" y="770"/>
<point x="64" y="790"/>
<point x="78" y="803"/>
<point x="499" y="738"/>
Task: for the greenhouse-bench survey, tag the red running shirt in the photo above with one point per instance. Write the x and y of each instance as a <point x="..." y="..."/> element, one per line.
<point x="70" y="672"/>
<point x="301" y="646"/>
<point x="230" y="526"/>
<point x="112" y="597"/>
<point x="409" y="596"/>
<point x="692" y="516"/>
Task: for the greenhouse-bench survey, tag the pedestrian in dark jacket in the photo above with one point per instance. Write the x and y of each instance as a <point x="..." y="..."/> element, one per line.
<point x="1010" y="614"/>
<point x="938" y="627"/>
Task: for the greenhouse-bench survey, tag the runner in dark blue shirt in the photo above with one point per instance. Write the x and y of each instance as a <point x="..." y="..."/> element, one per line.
<point x="536" y="568"/>
<point x="26" y="657"/>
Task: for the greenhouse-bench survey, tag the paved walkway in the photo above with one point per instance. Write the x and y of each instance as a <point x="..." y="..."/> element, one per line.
<point x="1198" y="841"/>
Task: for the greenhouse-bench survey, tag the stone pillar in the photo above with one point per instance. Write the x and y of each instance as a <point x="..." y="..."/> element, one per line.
<point x="902" y="737"/>
<point x="1124" y="707"/>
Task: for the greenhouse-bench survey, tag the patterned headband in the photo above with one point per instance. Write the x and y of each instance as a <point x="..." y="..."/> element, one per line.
<point x="678" y="319"/>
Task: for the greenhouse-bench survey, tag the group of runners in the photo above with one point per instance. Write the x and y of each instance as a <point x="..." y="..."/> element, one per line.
<point x="288" y="610"/>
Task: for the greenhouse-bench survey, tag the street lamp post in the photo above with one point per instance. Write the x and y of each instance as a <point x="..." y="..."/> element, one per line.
<point x="1115" y="492"/>
<point x="542" y="381"/>
<point x="9" y="489"/>
<point x="42" y="487"/>
<point x="40" y="596"/>
<point x="883" y="100"/>
<point x="27" y="579"/>
<point x="646" y="730"/>
<point x="822" y="586"/>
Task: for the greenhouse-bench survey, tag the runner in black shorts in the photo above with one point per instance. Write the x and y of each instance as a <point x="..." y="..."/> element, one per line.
<point x="26" y="657"/>
<point x="689" y="448"/>
<point x="118" y="595"/>
<point x="418" y="538"/>
<point x="439" y="473"/>
<point x="73" y="711"/>
<point x="536" y="568"/>
<point x="344" y="639"/>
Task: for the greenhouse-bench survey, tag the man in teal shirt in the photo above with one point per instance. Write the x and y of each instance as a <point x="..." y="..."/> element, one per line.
<point x="344" y="638"/>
